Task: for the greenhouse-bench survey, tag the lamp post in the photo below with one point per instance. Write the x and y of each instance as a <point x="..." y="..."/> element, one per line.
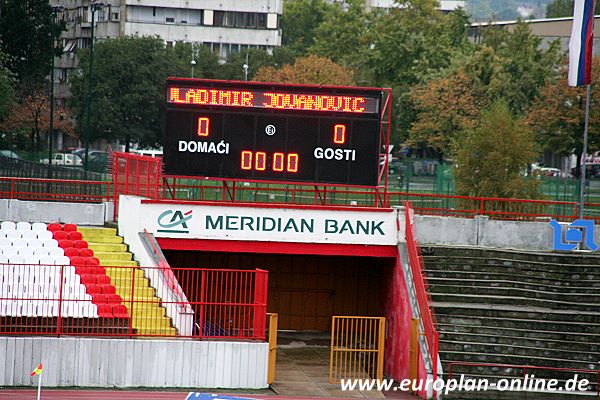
<point x="193" y="65"/>
<point x="55" y="10"/>
<point x="94" y="7"/>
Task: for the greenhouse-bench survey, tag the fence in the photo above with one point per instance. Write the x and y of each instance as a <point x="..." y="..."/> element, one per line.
<point x="55" y="190"/>
<point x="136" y="175"/>
<point x="357" y="347"/>
<point x="18" y="168"/>
<point x="420" y="282"/>
<point x="510" y="372"/>
<point x="118" y="301"/>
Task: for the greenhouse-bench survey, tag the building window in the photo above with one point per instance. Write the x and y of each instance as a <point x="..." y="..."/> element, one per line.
<point x="114" y="16"/>
<point x="262" y="21"/>
<point x="169" y="45"/>
<point x="169" y="20"/>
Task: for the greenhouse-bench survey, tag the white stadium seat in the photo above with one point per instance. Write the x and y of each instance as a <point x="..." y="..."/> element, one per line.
<point x="23" y="226"/>
<point x="41" y="251"/>
<point x="25" y="251"/>
<point x="15" y="259"/>
<point x="31" y="259"/>
<point x="3" y="259"/>
<point x="8" y="226"/>
<point x="35" y="243"/>
<point x="2" y="234"/>
<point x="62" y="260"/>
<point x="29" y="235"/>
<point x="55" y="251"/>
<point x="9" y="251"/>
<point x="4" y="242"/>
<point x="46" y="260"/>
<point x="44" y="235"/>
<point x="19" y="243"/>
<point x="39" y="226"/>
<point x="14" y="234"/>
<point x="50" y="243"/>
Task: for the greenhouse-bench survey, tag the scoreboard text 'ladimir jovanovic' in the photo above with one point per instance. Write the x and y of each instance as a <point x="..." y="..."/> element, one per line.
<point x="295" y="133"/>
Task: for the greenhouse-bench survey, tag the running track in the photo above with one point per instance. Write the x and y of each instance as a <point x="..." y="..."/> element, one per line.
<point x="50" y="394"/>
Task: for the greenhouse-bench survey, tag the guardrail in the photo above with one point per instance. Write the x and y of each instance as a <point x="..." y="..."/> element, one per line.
<point x="525" y="369"/>
<point x="80" y="191"/>
<point x="119" y="301"/>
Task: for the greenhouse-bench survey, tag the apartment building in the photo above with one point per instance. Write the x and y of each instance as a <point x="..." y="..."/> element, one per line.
<point x="227" y="26"/>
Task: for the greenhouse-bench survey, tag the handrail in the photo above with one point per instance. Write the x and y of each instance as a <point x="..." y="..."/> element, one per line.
<point x="525" y="368"/>
<point x="426" y="313"/>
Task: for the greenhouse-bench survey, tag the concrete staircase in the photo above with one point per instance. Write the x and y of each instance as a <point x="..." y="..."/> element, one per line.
<point x="509" y="307"/>
<point x="148" y="316"/>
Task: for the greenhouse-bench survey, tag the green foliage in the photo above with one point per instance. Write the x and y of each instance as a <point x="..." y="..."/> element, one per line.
<point x="490" y="159"/>
<point x="233" y="69"/>
<point x="299" y="21"/>
<point x="340" y="31"/>
<point x="7" y="92"/>
<point x="25" y="29"/>
<point x="128" y="88"/>
<point x="563" y="8"/>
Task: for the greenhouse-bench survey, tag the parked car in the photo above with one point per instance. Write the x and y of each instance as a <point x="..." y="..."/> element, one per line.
<point x="66" y="159"/>
<point x="10" y="154"/>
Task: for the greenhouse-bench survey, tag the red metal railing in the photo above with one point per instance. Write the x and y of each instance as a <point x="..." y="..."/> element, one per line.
<point x="40" y="189"/>
<point x="420" y="283"/>
<point x="137" y="175"/>
<point x="525" y="369"/>
<point x="59" y="300"/>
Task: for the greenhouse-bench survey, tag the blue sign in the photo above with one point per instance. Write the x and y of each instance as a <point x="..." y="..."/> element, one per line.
<point x="579" y="233"/>
<point x="211" y="396"/>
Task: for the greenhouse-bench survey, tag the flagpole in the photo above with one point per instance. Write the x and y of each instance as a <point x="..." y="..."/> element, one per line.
<point x="584" y="153"/>
<point x="39" y="386"/>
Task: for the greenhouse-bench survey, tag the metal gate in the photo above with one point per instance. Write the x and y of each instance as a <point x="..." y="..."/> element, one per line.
<point x="357" y="345"/>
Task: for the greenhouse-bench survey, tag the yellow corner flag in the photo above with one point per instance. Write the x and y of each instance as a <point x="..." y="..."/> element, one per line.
<point x="37" y="371"/>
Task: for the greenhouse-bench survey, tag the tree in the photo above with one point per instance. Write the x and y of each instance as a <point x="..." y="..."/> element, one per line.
<point x="31" y="116"/>
<point x="233" y="69"/>
<point x="26" y="32"/>
<point x="299" y="21"/>
<point x="128" y="89"/>
<point x="7" y="81"/>
<point x="557" y="116"/>
<point x="563" y="8"/>
<point x="310" y="70"/>
<point x="339" y="35"/>
<point x="491" y="158"/>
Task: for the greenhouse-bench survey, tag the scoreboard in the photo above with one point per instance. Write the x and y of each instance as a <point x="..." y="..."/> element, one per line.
<point x="272" y="132"/>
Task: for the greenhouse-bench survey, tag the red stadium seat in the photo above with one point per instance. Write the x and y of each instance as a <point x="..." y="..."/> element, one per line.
<point x="100" y="298"/>
<point x="84" y="270"/>
<point x="80" y="244"/>
<point x="105" y="311"/>
<point x="120" y="311"/>
<point x="65" y="244"/>
<point x="92" y="261"/>
<point x="109" y="290"/>
<point x="71" y="252"/>
<point x="99" y="270"/>
<point x="87" y="279"/>
<point x="77" y="261"/>
<point x="103" y="279"/>
<point x="60" y="235"/>
<point x="70" y="227"/>
<point x="53" y="227"/>
<point x="114" y="298"/>
<point x="86" y="253"/>
<point x="93" y="289"/>
<point x="75" y="235"/>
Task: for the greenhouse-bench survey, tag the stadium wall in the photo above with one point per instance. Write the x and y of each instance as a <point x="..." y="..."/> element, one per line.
<point x="94" y="362"/>
<point x="47" y="211"/>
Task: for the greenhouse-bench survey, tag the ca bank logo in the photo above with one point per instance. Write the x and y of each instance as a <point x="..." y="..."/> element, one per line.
<point x="579" y="233"/>
<point x="174" y="221"/>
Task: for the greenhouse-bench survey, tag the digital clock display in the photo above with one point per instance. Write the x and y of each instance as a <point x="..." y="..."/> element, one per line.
<point x="272" y="132"/>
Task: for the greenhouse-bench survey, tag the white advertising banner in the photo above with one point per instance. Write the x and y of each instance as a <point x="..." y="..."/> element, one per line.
<point x="185" y="221"/>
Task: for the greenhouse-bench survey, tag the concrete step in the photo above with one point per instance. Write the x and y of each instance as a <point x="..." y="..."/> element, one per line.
<point x="514" y="300"/>
<point x="139" y="291"/>
<point x="103" y="239"/>
<point x="158" y="332"/>
<point x="514" y="359"/>
<point x="566" y="342"/>
<point x="590" y="339"/>
<point x="108" y="247"/>
<point x="97" y="231"/>
<point x="117" y="263"/>
<point x="518" y="349"/>
<point x="114" y="255"/>
<point x="506" y="288"/>
<point x="448" y="275"/>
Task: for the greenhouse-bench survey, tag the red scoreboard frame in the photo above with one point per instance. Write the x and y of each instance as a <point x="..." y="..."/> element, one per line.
<point x="254" y="131"/>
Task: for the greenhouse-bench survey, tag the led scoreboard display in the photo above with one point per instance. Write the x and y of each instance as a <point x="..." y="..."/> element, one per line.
<point x="285" y="133"/>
